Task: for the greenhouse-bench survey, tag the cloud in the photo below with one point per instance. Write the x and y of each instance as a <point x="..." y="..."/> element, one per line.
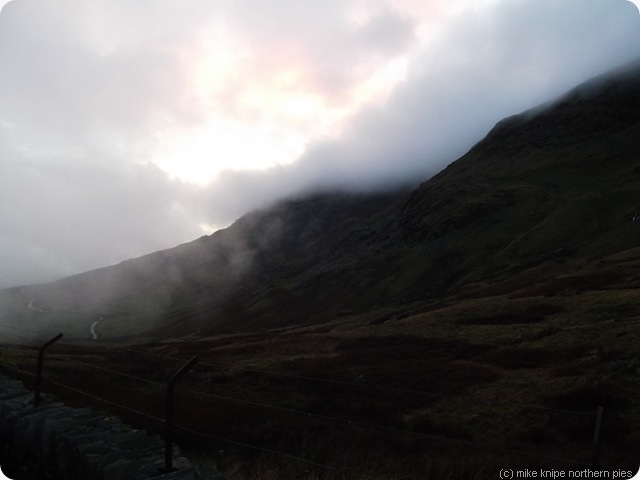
<point x="66" y="81"/>
<point x="66" y="215"/>
<point x="368" y="94"/>
<point x="484" y="66"/>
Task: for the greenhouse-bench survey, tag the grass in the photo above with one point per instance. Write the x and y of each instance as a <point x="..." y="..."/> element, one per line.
<point x="474" y="323"/>
<point x="478" y="378"/>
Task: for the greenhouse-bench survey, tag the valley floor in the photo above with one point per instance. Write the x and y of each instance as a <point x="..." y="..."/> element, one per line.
<point x="460" y="390"/>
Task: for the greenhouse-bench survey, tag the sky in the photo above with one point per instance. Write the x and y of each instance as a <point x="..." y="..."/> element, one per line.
<point x="128" y="127"/>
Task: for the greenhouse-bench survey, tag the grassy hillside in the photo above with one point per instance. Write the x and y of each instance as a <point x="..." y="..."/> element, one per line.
<point x="474" y="323"/>
<point x="557" y="186"/>
<point x="459" y="391"/>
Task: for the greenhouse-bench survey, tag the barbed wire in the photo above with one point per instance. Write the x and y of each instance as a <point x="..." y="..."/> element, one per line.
<point x="103" y="400"/>
<point x="467" y="443"/>
<point x="19" y="370"/>
<point x="309" y="414"/>
<point x="195" y="432"/>
<point x="322" y="416"/>
<point x="362" y="385"/>
<point x="386" y="428"/>
<point x="279" y="408"/>
<point x="306" y="378"/>
<point x="114" y="372"/>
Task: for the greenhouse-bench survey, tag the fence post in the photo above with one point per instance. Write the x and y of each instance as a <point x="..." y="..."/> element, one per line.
<point x="595" y="450"/>
<point x="168" y="422"/>
<point x="36" y="396"/>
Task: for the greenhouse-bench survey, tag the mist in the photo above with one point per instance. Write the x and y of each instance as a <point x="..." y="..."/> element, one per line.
<point x="126" y="128"/>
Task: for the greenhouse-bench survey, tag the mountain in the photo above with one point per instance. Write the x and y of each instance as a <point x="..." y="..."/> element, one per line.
<point x="484" y="315"/>
<point x="544" y="204"/>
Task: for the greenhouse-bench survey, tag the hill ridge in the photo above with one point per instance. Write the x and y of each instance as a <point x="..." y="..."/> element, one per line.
<point x="556" y="185"/>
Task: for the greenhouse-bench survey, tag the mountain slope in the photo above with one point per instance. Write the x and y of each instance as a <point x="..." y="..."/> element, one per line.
<point x="548" y="194"/>
<point x="561" y="183"/>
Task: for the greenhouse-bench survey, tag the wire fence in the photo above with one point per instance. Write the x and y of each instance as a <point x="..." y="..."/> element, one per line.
<point x="72" y="361"/>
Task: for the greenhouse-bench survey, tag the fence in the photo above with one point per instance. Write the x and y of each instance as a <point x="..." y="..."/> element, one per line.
<point x="142" y="399"/>
<point x="56" y="442"/>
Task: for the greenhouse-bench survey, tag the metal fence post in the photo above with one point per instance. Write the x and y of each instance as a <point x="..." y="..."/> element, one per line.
<point x="36" y="396"/>
<point x="595" y="450"/>
<point x="168" y="423"/>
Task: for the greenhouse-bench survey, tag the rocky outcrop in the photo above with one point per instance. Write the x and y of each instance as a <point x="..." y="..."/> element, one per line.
<point x="56" y="442"/>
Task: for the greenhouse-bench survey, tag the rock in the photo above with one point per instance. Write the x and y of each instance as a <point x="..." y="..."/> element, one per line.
<point x="55" y="442"/>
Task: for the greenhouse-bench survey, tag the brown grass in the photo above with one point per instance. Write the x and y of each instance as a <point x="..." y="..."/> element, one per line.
<point x="458" y="381"/>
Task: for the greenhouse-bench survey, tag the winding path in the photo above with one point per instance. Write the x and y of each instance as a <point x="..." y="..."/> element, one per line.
<point x="35" y="309"/>
<point x="92" y="329"/>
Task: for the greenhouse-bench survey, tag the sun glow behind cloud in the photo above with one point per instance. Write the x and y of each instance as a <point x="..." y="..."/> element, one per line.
<point x="256" y="113"/>
<point x="222" y="144"/>
<point x="270" y="127"/>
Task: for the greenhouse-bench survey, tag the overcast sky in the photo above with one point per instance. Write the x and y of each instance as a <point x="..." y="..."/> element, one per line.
<point x="132" y="126"/>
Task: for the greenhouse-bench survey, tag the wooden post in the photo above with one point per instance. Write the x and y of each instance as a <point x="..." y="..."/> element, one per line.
<point x="36" y="397"/>
<point x="594" y="464"/>
<point x="168" y="422"/>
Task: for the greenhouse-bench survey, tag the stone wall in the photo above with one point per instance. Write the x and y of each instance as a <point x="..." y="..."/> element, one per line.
<point x="56" y="442"/>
